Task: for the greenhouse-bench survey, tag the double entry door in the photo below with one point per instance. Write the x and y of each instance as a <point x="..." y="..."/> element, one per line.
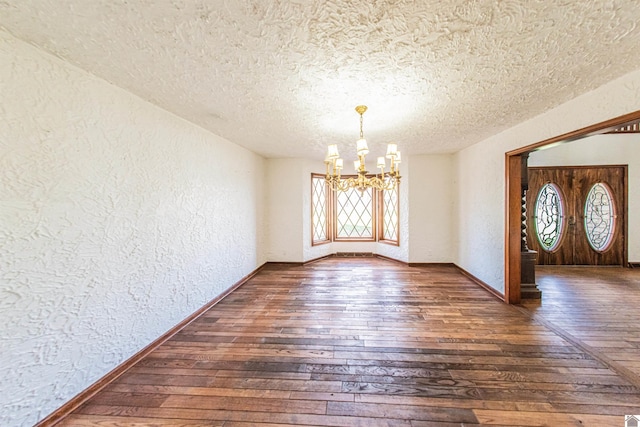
<point x="576" y="215"/>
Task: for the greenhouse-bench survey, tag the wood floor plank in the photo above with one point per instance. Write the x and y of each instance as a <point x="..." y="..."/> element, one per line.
<point x="401" y="411"/>
<point x="148" y="400"/>
<point x="242" y="404"/>
<point x="254" y="424"/>
<point x="200" y="391"/>
<point x="366" y="342"/>
<point x="207" y="416"/>
<point x="436" y="402"/>
<point x="113" y="421"/>
<point x="523" y="418"/>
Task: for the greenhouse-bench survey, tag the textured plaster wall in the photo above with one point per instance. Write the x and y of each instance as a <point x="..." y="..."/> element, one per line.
<point x="289" y="211"/>
<point x="604" y="150"/>
<point x="117" y="221"/>
<point x="431" y="197"/>
<point x="480" y="205"/>
<point x="285" y="188"/>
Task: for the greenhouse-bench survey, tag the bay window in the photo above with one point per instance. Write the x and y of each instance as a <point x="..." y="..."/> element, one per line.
<point x="367" y="216"/>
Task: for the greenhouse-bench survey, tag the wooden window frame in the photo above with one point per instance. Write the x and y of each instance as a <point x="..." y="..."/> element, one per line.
<point x="328" y="213"/>
<point x="383" y="239"/>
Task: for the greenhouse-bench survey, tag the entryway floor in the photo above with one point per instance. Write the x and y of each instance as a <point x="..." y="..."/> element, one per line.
<point x="598" y="306"/>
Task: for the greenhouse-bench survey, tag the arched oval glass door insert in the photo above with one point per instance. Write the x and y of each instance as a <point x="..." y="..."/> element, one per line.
<point x="549" y="218"/>
<point x="599" y="217"/>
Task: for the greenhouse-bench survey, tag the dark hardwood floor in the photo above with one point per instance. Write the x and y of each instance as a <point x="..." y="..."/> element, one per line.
<point x="367" y="342"/>
<point x="597" y="306"/>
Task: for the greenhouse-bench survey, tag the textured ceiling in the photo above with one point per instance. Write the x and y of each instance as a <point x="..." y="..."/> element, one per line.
<point x="282" y="77"/>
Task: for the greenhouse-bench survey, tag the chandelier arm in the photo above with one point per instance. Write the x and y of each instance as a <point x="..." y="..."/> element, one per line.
<point x="349" y="183"/>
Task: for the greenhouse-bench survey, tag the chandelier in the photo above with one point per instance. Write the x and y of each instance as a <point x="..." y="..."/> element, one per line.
<point x="383" y="181"/>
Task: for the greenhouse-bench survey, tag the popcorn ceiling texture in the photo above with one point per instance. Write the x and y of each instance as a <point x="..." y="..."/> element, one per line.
<point x="117" y="221"/>
<point x="282" y="77"/>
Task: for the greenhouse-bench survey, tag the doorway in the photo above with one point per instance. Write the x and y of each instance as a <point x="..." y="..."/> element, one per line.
<point x="576" y="215"/>
<point x="513" y="194"/>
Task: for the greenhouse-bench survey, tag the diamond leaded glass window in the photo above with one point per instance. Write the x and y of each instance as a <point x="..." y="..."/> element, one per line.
<point x="354" y="214"/>
<point x="319" y="209"/>
<point x="390" y="215"/>
<point x="599" y="218"/>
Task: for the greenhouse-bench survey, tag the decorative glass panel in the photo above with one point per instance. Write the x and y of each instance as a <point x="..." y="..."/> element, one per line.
<point x="599" y="217"/>
<point x="549" y="217"/>
<point x="319" y="209"/>
<point x="390" y="214"/>
<point x="354" y="214"/>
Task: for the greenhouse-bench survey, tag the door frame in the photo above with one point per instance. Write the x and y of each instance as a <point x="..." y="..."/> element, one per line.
<point x="513" y="214"/>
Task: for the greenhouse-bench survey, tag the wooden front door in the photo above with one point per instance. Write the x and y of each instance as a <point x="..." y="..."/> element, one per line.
<point x="577" y="215"/>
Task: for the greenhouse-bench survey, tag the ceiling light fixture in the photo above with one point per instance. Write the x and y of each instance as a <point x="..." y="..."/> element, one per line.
<point x="384" y="181"/>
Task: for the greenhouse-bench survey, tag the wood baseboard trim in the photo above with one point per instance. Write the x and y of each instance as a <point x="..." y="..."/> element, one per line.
<point x="482" y="284"/>
<point x="354" y="254"/>
<point x="289" y="263"/>
<point x="634" y="265"/>
<point x="431" y="264"/>
<point x="344" y="255"/>
<point x="320" y="258"/>
<point x="63" y="411"/>
<point x="339" y="255"/>
<point x="388" y="258"/>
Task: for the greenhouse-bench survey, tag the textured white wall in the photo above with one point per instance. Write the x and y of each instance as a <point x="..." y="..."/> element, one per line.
<point x="117" y="221"/>
<point x="431" y="198"/>
<point x="623" y="149"/>
<point x="285" y="184"/>
<point x="480" y="205"/>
